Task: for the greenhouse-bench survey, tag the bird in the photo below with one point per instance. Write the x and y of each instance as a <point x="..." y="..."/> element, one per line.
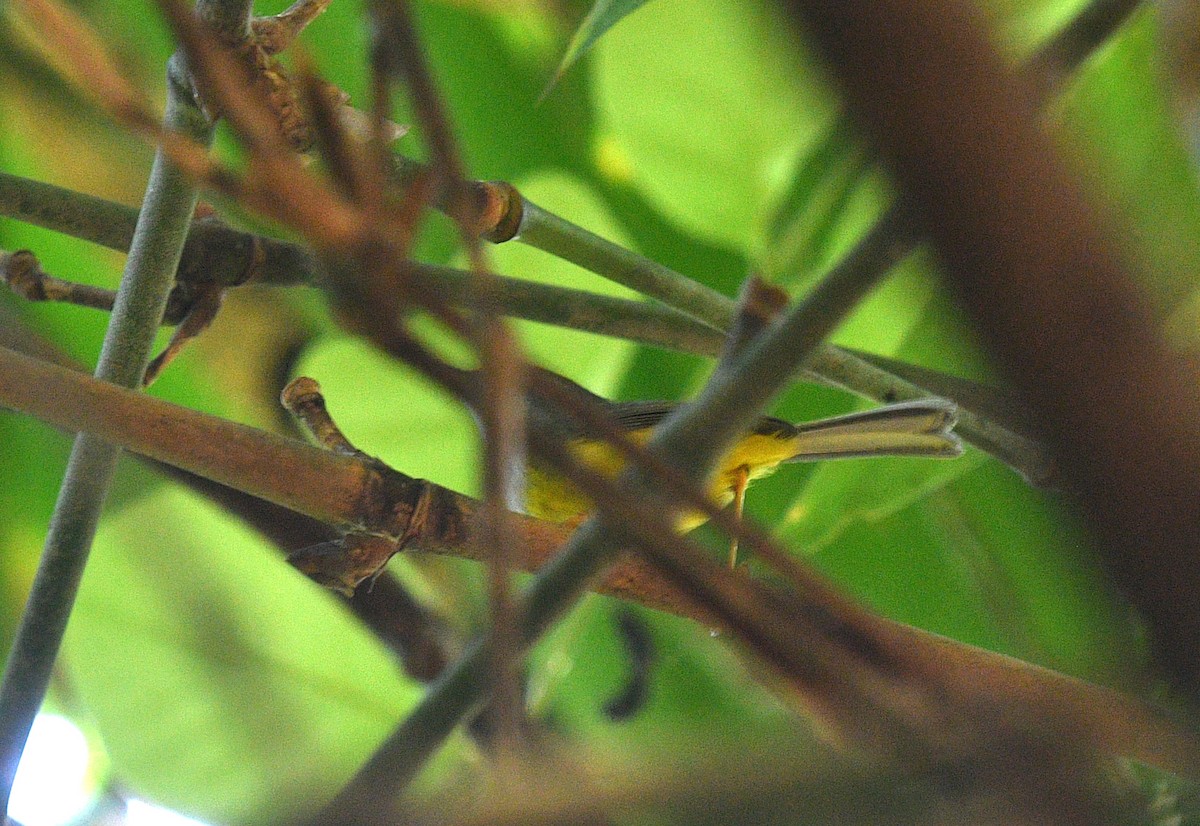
<point x="921" y="427"/>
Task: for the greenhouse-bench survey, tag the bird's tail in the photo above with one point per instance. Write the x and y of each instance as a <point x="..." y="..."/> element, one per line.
<point x="917" y="428"/>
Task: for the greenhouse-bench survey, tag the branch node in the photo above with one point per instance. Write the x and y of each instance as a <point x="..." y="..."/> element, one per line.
<point x="361" y="556"/>
<point x="500" y="210"/>
<point x="342" y="564"/>
<point x="303" y="399"/>
<point x="23" y="274"/>
<point x="419" y="516"/>
<point x="759" y="304"/>
<point x="201" y="308"/>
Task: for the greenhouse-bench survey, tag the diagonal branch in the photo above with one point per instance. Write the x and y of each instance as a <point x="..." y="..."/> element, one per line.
<point x="154" y="256"/>
<point x="338" y="490"/>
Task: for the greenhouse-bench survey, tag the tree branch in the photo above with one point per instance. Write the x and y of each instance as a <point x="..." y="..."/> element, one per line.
<point x="228" y="256"/>
<point x="404" y="625"/>
<point x="266" y="465"/>
<point x="154" y="256"/>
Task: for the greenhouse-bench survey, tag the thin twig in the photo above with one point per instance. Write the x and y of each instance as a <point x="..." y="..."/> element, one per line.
<point x="214" y="250"/>
<point x="85" y="62"/>
<point x="502" y="415"/>
<point x="548" y="232"/>
<point x="886" y="244"/>
<point x="230" y="256"/>
<point x="988" y="417"/>
<point x="23" y="274"/>
<point x="280" y="185"/>
<point x="72" y="213"/>
<point x="154" y="256"/>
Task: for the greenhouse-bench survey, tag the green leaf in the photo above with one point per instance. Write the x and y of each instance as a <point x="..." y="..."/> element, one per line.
<point x="223" y="683"/>
<point x="823" y="209"/>
<point x="703" y="105"/>
<point x="25" y="505"/>
<point x="840" y="495"/>
<point x="603" y="15"/>
<point x="991" y="562"/>
<point x="1120" y="118"/>
<point x="489" y="68"/>
<point x="695" y="683"/>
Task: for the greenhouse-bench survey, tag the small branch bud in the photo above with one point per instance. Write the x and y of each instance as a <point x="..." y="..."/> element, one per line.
<point x="302" y="398"/>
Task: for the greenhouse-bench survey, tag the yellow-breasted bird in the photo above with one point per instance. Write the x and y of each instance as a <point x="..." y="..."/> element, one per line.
<point x="915" y="428"/>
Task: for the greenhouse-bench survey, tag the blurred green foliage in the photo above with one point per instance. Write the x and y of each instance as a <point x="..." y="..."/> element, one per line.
<point x="699" y="133"/>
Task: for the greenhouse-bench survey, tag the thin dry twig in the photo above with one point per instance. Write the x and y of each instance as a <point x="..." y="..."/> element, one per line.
<point x="276" y="33"/>
<point x="396" y="51"/>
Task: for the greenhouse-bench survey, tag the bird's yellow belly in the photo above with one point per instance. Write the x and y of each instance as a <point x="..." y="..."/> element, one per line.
<point x="550" y="496"/>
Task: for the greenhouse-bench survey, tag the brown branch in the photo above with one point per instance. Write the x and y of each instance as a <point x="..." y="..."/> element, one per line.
<point x="783" y="783"/>
<point x="327" y="487"/>
<point x="274" y="469"/>
<point x="396" y="618"/>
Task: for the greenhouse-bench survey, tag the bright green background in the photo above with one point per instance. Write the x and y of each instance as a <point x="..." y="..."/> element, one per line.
<point x="694" y="131"/>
